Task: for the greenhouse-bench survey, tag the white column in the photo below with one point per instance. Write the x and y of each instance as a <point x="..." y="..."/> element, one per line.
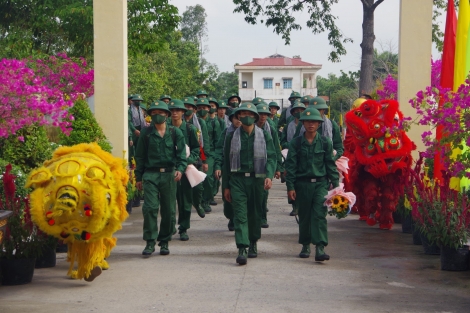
<point x="414" y="60"/>
<point x="110" y="58"/>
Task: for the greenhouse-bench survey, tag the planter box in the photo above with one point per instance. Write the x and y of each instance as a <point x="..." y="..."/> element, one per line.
<point x="3" y="222"/>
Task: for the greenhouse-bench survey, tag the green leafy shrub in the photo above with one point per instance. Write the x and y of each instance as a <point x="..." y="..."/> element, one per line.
<point x="28" y="148"/>
<point x="85" y="128"/>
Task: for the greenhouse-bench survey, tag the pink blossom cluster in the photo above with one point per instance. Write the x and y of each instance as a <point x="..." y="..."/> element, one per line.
<point x="453" y="116"/>
<point x="40" y="92"/>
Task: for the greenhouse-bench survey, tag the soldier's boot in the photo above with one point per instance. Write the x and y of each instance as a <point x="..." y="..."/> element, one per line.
<point x="253" y="250"/>
<point x="231" y="226"/>
<point x="241" y="259"/>
<point x="149" y="248"/>
<point x="305" y="253"/>
<point x="164" y="248"/>
<point x="320" y="254"/>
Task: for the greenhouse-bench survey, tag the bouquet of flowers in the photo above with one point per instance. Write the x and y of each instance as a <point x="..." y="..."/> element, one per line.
<point x="339" y="202"/>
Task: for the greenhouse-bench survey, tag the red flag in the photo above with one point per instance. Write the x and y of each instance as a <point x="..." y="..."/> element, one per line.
<point x="447" y="72"/>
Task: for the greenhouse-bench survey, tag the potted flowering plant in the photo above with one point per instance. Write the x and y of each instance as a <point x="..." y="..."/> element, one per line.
<point x="22" y="243"/>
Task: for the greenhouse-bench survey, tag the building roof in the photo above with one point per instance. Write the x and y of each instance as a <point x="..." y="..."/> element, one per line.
<point x="278" y="60"/>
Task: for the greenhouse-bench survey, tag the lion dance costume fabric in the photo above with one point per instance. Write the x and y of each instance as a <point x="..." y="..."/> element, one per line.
<point x="380" y="159"/>
<point x="80" y="197"/>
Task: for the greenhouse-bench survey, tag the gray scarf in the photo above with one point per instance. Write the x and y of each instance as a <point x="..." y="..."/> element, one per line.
<point x="198" y="126"/>
<point x="227" y="121"/>
<point x="266" y="127"/>
<point x="137" y="116"/>
<point x="260" y="155"/>
<point x="288" y="112"/>
<point x="327" y="128"/>
<point x="230" y="130"/>
<point x="302" y="130"/>
<point x="291" y="130"/>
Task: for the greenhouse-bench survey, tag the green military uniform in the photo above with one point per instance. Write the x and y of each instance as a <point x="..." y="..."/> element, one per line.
<point x="310" y="170"/>
<point x="286" y="136"/>
<point x="156" y="158"/>
<point x="271" y="129"/>
<point x="275" y="119"/>
<point x="231" y="104"/>
<point x="320" y="104"/>
<point x="203" y="139"/>
<point x="184" y="192"/>
<point x="213" y="131"/>
<point x="136" y="99"/>
<point x="245" y="185"/>
<point x="218" y="166"/>
<point x="285" y="114"/>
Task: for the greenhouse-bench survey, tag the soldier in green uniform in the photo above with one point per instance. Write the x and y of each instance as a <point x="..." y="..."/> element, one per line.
<point x="201" y="94"/>
<point x="248" y="168"/>
<point x="310" y="171"/>
<point x="130" y="125"/>
<point x="273" y="108"/>
<point x="288" y="134"/>
<point x="165" y="98"/>
<point x="233" y="101"/>
<point x="184" y="192"/>
<point x="306" y="100"/>
<point x="214" y="122"/>
<point x="257" y="101"/>
<point x="222" y="117"/>
<point x="328" y="128"/>
<point x="265" y="123"/>
<point x="190" y="117"/>
<point x="286" y="114"/>
<point x="213" y="131"/>
<point x="161" y="161"/>
<point x="218" y="164"/>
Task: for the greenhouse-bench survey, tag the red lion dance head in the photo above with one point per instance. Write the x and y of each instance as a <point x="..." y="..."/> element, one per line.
<point x="381" y="158"/>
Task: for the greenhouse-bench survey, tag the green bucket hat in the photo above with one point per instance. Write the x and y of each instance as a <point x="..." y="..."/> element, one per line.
<point x="311" y="114"/>
<point x="248" y="106"/>
<point x="137" y="97"/>
<point x="234" y="95"/>
<point x="202" y="92"/>
<point x="176" y="104"/>
<point x="318" y="103"/>
<point x="212" y="99"/>
<point x="143" y="106"/>
<point x="295" y="94"/>
<point x="189" y="100"/>
<point x="263" y="108"/>
<point x="306" y="99"/>
<point x="223" y="104"/>
<point x="257" y="101"/>
<point x="274" y="104"/>
<point x="165" y="97"/>
<point x="130" y="97"/>
<point x="296" y="105"/>
<point x="158" y="105"/>
<point x="203" y="101"/>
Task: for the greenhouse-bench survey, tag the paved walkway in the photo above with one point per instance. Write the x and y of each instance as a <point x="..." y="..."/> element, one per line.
<point x="370" y="271"/>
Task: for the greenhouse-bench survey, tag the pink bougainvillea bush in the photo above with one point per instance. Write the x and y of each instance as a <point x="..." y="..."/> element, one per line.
<point x="40" y="92"/>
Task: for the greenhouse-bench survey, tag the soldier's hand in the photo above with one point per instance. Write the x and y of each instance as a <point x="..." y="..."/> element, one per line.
<point x="277" y="175"/>
<point x="217" y="174"/>
<point x="138" y="185"/>
<point x="291" y="194"/>
<point x="227" y="195"/>
<point x="178" y="175"/>
<point x="137" y="132"/>
<point x="131" y="143"/>
<point x="268" y="183"/>
<point x="205" y="167"/>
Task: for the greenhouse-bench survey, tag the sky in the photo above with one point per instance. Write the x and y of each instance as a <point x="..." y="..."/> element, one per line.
<point x="232" y="40"/>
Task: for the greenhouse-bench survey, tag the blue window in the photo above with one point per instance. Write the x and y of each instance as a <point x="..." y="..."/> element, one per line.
<point x="287" y="83"/>
<point x="268" y="83"/>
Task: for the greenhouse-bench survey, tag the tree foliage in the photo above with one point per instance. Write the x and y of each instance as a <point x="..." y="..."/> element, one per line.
<point x="223" y="85"/>
<point x="46" y="27"/>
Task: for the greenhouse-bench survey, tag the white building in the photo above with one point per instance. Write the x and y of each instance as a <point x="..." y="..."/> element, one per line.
<point x="275" y="77"/>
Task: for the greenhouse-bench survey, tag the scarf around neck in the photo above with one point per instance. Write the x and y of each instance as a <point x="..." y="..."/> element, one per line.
<point x="260" y="155"/>
<point x="327" y="128"/>
<point x="291" y="130"/>
<point x="198" y="126"/>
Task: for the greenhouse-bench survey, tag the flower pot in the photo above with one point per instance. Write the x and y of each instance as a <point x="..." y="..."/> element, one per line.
<point x="406" y="224"/>
<point x="129" y="206"/>
<point x="17" y="271"/>
<point x="454" y="259"/>
<point x="48" y="257"/>
<point x="432" y="249"/>
<point x="61" y="247"/>
<point x="397" y="219"/>
<point x="416" y="234"/>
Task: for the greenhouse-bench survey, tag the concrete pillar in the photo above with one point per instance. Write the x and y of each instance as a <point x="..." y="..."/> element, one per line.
<point x="110" y="58"/>
<point x="414" y="61"/>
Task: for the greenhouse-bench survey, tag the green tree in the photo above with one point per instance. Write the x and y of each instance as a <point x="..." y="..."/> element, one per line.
<point x="85" y="128"/>
<point x="225" y="84"/>
<point x="45" y="27"/>
<point x="385" y="63"/>
<point x="30" y="152"/>
<point x="280" y="14"/>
